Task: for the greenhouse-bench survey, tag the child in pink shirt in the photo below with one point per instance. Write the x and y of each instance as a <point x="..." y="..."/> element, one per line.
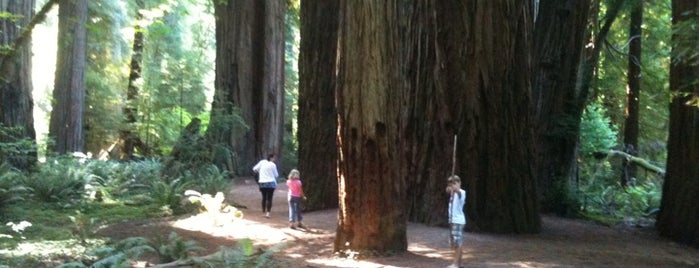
<point x="295" y="197"/>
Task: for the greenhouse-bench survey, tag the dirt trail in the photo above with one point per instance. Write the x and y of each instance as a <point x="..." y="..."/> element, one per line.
<point x="562" y="242"/>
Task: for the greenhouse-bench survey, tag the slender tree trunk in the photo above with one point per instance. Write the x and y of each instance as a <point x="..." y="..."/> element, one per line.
<point x="128" y="134"/>
<point x="249" y="81"/>
<point x="633" y="93"/>
<point x="679" y="217"/>
<point x="66" y="124"/>
<point x="317" y="115"/>
<point x="16" y="103"/>
<point x="558" y="46"/>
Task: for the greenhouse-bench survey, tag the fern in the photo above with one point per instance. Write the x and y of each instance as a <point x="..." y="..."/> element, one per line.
<point x="175" y="248"/>
<point x="11" y="190"/>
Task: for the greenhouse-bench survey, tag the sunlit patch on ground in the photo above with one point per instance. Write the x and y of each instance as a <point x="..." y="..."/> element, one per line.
<point x="49" y="248"/>
<point x="237" y="229"/>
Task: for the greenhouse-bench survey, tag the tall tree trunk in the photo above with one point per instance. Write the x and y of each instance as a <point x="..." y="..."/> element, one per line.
<point x="633" y="93"/>
<point x="16" y="103"/>
<point x="317" y="115"/>
<point x="249" y="80"/>
<point x="66" y="124"/>
<point x="270" y="114"/>
<point x="498" y="138"/>
<point x="558" y="44"/>
<point x="679" y="217"/>
<point x="128" y="134"/>
<point x="369" y="93"/>
<point x="433" y="68"/>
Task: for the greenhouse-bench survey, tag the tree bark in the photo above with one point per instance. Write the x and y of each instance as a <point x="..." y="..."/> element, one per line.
<point x="16" y="103"/>
<point x="633" y="93"/>
<point x="679" y="218"/>
<point x="249" y="80"/>
<point x="433" y="32"/>
<point x="369" y="93"/>
<point x="317" y="115"/>
<point x="128" y="135"/>
<point x="496" y="122"/>
<point x="558" y="46"/>
<point x="66" y="124"/>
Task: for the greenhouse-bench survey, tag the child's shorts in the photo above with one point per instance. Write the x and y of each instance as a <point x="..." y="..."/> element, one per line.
<point x="457" y="234"/>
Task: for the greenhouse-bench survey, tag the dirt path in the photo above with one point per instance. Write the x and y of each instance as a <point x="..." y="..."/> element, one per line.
<point x="562" y="242"/>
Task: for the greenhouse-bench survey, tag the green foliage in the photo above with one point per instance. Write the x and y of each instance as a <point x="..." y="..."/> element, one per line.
<point x="225" y="127"/>
<point x="175" y="67"/>
<point x="59" y="180"/>
<point x="208" y="179"/>
<point x="291" y="84"/>
<point x="684" y="34"/>
<point x="11" y="190"/>
<point x="601" y="195"/>
<point x="15" y="148"/>
<point x="133" y="178"/>
<point x="107" y="52"/>
<point x="596" y="131"/>
<point x="611" y="83"/>
<point x="114" y="256"/>
<point x="176" y="248"/>
<point x="244" y="255"/>
<point x="84" y="227"/>
<point x="168" y="194"/>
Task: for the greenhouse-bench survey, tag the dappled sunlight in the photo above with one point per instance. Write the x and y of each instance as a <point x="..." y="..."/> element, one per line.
<point x="69" y="247"/>
<point x="237" y="229"/>
<point x="523" y="264"/>
<point x="427" y="251"/>
<point x="348" y="263"/>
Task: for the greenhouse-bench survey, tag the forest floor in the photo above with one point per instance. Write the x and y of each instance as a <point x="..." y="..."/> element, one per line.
<point x="561" y="243"/>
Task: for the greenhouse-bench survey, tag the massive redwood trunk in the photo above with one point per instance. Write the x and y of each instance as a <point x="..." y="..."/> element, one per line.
<point x="317" y="115"/>
<point x="558" y="45"/>
<point x="16" y="104"/>
<point x="249" y="82"/>
<point x="66" y="124"/>
<point x="371" y="182"/>
<point x="679" y="216"/>
<point x="496" y="132"/>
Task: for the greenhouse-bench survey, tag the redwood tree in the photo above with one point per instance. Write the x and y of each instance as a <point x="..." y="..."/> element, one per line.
<point x="249" y="81"/>
<point x="66" y="124"/>
<point x="128" y="135"/>
<point x="371" y="186"/>
<point x="496" y="133"/>
<point x="317" y="115"/>
<point x="633" y="92"/>
<point x="16" y="104"/>
<point x="679" y="217"/>
<point x="558" y="44"/>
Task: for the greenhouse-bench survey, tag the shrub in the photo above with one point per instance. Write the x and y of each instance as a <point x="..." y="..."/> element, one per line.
<point x="176" y="248"/>
<point x="209" y="179"/>
<point x="11" y="189"/>
<point x="59" y="180"/>
<point x="168" y="194"/>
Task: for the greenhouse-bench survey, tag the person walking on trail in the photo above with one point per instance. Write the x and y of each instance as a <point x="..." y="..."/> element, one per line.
<point x="267" y="172"/>
<point x="457" y="219"/>
<point x="295" y="196"/>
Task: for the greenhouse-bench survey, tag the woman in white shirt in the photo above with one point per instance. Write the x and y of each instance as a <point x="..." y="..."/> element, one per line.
<point x="267" y="172"/>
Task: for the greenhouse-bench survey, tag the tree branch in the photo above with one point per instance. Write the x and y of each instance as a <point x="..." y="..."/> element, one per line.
<point x="639" y="161"/>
